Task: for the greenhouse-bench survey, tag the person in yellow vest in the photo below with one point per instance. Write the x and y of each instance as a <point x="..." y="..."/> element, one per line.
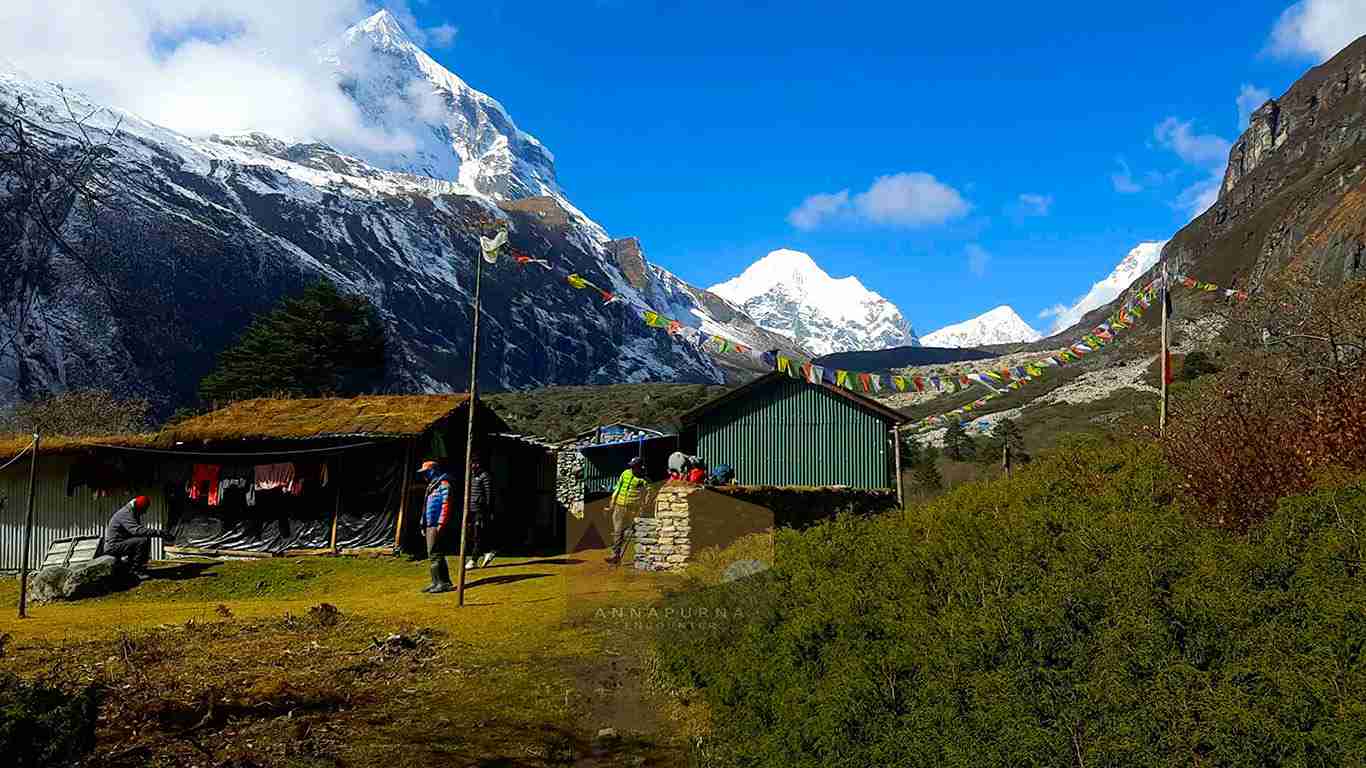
<point x="626" y="498"/>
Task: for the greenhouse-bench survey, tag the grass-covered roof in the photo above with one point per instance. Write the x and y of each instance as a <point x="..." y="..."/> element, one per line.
<point x="306" y="418"/>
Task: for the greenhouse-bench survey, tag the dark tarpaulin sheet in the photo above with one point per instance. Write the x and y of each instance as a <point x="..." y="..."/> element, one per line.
<point x="368" y="481"/>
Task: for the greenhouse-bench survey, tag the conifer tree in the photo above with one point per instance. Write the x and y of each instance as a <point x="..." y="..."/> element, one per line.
<point x="958" y="445"/>
<point x="323" y="342"/>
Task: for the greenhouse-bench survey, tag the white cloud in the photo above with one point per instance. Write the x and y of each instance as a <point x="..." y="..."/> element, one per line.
<point x="978" y="259"/>
<point x="1198" y="197"/>
<point x="1318" y="29"/>
<point x="1250" y="98"/>
<point x="442" y="35"/>
<point x="1123" y="179"/>
<point x="201" y="66"/>
<point x="902" y="200"/>
<point x="1202" y="149"/>
<point x="817" y="209"/>
<point x="1030" y="204"/>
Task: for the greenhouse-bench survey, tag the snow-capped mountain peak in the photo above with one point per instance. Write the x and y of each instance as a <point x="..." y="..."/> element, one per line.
<point x="428" y="122"/>
<point x="383" y="28"/>
<point x="1138" y="260"/>
<point x="999" y="326"/>
<point x="787" y="292"/>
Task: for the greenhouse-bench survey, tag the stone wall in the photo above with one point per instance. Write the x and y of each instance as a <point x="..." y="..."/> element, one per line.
<point x="664" y="540"/>
<point x="569" y="481"/>
<point x="802" y="507"/>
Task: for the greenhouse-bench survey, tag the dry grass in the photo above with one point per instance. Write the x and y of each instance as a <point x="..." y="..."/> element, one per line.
<point x="237" y="665"/>
<point x="275" y="419"/>
<point x="13" y="445"/>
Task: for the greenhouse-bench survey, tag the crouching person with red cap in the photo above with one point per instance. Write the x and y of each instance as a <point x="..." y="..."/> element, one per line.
<point x="127" y="539"/>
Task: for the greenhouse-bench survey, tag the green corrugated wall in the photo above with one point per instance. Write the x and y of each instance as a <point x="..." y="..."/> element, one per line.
<point x="789" y="432"/>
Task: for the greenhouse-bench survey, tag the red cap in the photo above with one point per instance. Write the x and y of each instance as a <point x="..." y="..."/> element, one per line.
<point x="141" y="502"/>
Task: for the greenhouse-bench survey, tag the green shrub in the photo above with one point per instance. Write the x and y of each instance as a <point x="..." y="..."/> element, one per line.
<point x="41" y="726"/>
<point x="1073" y="615"/>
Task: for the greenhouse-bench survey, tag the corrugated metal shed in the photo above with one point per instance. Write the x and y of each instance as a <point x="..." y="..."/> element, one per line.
<point x="56" y="515"/>
<point x="782" y="431"/>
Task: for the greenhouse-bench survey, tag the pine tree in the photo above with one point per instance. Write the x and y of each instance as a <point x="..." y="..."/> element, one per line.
<point x="1004" y="432"/>
<point x="912" y="452"/>
<point x="322" y="342"/>
<point x="958" y="445"/>
<point x="927" y="476"/>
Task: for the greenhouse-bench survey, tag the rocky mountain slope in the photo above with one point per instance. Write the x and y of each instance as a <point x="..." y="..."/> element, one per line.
<point x="209" y="231"/>
<point x="1294" y="190"/>
<point x="787" y="292"/>
<point x="998" y="326"/>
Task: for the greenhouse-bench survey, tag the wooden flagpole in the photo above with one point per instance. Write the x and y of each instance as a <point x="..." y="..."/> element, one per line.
<point x="1166" y="353"/>
<point x="28" y="527"/>
<point x="469" y="428"/>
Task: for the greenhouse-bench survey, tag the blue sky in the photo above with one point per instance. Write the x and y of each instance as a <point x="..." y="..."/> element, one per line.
<point x="701" y="127"/>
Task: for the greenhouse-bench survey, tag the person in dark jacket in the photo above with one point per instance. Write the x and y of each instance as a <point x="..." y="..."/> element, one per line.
<point x="127" y="539"/>
<point x="481" y="512"/>
<point x="437" y="524"/>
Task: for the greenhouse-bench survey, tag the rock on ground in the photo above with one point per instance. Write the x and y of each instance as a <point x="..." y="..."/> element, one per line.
<point x="74" y="582"/>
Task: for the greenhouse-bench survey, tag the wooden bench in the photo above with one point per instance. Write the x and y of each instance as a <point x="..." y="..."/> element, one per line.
<point x="77" y="549"/>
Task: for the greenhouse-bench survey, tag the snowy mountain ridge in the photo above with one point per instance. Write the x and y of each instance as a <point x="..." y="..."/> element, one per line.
<point x="1138" y="260"/>
<point x="445" y="128"/>
<point x="220" y="227"/>
<point x="788" y="293"/>
<point x="998" y="326"/>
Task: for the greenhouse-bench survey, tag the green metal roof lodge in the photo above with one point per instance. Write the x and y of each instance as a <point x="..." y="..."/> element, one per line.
<point x="778" y="430"/>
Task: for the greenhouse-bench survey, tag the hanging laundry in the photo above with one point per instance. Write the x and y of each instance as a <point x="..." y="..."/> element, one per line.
<point x="204" y="483"/>
<point x="270" y="477"/>
<point x="239" y="476"/>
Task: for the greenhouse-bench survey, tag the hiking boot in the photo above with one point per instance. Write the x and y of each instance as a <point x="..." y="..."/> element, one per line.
<point x="435" y="568"/>
<point x="486" y="559"/>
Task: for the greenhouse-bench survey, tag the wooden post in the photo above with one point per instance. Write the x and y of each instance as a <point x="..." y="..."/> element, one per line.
<point x="1166" y="356"/>
<point x="469" y="433"/>
<point x="405" y="489"/>
<point x="336" y="512"/>
<point x="28" y="527"/>
<point x="896" y="454"/>
<point x="1005" y="456"/>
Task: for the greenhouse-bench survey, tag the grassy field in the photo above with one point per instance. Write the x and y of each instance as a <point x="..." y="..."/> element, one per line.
<point x="340" y="661"/>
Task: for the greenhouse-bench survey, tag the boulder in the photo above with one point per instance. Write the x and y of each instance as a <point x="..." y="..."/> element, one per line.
<point x="76" y="581"/>
<point x="47" y="584"/>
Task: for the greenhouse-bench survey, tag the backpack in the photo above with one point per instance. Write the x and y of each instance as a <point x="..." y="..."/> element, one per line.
<point x="722" y="474"/>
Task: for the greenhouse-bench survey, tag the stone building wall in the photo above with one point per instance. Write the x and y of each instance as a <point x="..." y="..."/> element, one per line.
<point x="569" y="481"/>
<point x="664" y="540"/>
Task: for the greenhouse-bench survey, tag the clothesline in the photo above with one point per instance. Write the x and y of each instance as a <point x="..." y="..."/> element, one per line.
<point x="21" y="455"/>
<point x="239" y="454"/>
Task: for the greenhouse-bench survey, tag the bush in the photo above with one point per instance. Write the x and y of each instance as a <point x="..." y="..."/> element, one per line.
<point x="41" y="726"/>
<point x="78" y="413"/>
<point x="1072" y="615"/>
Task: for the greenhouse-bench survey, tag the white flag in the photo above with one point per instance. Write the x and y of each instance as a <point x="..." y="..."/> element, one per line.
<point x="491" y="245"/>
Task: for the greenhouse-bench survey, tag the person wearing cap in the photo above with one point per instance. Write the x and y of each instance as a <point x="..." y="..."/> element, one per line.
<point x="626" y="498"/>
<point x="128" y="540"/>
<point x="437" y="524"/>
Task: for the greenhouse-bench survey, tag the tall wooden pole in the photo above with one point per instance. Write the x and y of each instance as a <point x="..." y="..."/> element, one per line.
<point x="28" y="528"/>
<point x="469" y="433"/>
<point x="1166" y="356"/>
<point x="896" y="452"/>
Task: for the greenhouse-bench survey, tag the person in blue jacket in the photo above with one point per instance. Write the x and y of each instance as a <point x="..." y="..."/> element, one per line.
<point x="438" y="524"/>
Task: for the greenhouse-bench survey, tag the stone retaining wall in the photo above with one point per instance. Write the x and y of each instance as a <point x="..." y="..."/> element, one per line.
<point x="664" y="540"/>
<point x="569" y="481"/>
